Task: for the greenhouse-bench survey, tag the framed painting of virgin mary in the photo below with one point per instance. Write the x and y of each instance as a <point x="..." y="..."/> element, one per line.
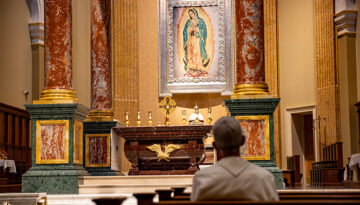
<point x="195" y="47"/>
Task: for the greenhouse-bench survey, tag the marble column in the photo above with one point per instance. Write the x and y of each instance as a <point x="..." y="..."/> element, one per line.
<point x="57" y="136"/>
<point x="97" y="127"/>
<point x="250" y="62"/>
<point x="251" y="103"/>
<point x="58" y="53"/>
<point x="101" y="93"/>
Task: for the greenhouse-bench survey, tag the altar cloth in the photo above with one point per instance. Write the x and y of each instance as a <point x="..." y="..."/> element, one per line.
<point x="8" y="164"/>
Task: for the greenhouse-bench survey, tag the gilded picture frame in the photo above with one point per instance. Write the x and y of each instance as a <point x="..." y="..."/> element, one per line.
<point x="196" y="50"/>
<point x="261" y="125"/>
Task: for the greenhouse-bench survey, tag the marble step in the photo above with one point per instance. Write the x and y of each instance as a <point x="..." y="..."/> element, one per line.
<point x="132" y="184"/>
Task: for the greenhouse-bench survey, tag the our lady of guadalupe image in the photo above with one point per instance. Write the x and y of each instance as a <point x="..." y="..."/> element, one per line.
<point x="194" y="37"/>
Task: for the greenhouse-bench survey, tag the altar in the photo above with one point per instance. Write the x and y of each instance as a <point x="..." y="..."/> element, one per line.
<point x="164" y="150"/>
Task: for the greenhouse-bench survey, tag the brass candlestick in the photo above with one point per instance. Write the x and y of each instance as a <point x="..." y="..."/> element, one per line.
<point x="138" y="122"/>
<point x="150" y="118"/>
<point x="167" y="123"/>
<point x="126" y="118"/>
<point x="209" y="116"/>
<point x="197" y="115"/>
<point x="184" y="117"/>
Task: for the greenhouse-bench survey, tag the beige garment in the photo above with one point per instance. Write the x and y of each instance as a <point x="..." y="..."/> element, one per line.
<point x="234" y="178"/>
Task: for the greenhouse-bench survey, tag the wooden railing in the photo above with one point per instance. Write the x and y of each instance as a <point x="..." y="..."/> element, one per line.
<point x="330" y="171"/>
<point x="292" y="174"/>
<point x="15" y="140"/>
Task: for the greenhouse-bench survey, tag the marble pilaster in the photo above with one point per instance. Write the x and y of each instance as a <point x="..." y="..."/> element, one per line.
<point x="328" y="99"/>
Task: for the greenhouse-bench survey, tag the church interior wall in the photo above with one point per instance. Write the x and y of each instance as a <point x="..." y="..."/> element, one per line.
<point x="81" y="50"/>
<point x="15" y="53"/>
<point x="348" y="91"/>
<point x="296" y="61"/>
<point x="357" y="6"/>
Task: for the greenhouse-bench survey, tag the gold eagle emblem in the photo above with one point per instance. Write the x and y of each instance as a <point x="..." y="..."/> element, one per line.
<point x="166" y="154"/>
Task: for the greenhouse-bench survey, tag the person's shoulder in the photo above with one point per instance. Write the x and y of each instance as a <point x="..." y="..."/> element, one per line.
<point x="208" y="171"/>
<point x="260" y="172"/>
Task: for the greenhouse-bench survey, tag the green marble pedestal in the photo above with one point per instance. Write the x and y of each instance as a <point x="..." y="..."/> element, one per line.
<point x="97" y="150"/>
<point x="252" y="108"/>
<point x="56" y="148"/>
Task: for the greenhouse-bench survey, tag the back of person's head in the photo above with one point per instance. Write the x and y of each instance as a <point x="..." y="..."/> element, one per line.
<point x="228" y="135"/>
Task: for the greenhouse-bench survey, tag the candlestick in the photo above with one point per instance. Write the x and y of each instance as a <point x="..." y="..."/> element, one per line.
<point x="150" y="118"/>
<point x="126" y="118"/>
<point x="167" y="121"/>
<point x="138" y="122"/>
<point x="209" y="116"/>
<point x="184" y="117"/>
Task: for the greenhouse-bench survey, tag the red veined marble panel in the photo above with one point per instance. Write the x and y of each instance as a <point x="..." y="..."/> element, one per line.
<point x="52" y="141"/>
<point x="254" y="131"/>
<point x="98" y="150"/>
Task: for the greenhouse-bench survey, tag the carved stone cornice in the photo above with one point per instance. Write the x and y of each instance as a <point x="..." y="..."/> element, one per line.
<point x="345" y="22"/>
<point x="345" y="17"/>
<point x="37" y="33"/>
<point x="36" y="27"/>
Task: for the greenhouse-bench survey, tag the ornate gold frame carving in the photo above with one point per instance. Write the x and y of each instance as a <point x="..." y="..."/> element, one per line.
<point x="267" y="135"/>
<point x="38" y="142"/>
<point x="87" y="136"/>
<point x="81" y="147"/>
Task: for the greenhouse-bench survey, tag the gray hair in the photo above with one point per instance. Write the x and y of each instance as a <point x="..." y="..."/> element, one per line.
<point x="228" y="134"/>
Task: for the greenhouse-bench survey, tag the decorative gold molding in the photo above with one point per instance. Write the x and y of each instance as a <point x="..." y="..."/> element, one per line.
<point x="267" y="135"/>
<point x="100" y="115"/>
<point x="56" y="96"/>
<point x="78" y="123"/>
<point x="250" y="89"/>
<point x="39" y="123"/>
<point x="36" y="24"/>
<point x="87" y="142"/>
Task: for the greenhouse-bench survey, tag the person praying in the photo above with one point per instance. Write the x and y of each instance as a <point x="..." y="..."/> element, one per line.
<point x="232" y="178"/>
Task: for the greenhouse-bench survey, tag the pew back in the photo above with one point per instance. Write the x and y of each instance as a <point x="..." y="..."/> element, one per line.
<point x="15" y="140"/>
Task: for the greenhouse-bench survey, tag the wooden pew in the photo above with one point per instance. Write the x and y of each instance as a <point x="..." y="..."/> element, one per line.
<point x="330" y="171"/>
<point x="307" y="197"/>
<point x="292" y="174"/>
<point x="284" y="195"/>
<point x="15" y="140"/>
